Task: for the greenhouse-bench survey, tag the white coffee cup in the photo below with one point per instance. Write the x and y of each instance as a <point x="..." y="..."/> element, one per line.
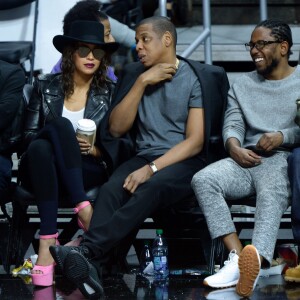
<point x="86" y="129"/>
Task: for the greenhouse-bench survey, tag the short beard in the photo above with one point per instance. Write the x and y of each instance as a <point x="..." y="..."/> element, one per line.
<point x="269" y="69"/>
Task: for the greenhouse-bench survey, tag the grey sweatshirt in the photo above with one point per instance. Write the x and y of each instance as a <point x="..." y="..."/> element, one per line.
<point x="256" y="106"/>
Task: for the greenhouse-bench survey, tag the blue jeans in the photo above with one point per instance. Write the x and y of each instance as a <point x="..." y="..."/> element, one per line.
<point x="294" y="176"/>
<point x="5" y="172"/>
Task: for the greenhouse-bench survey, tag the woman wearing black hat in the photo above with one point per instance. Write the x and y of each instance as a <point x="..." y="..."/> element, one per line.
<point x="56" y="162"/>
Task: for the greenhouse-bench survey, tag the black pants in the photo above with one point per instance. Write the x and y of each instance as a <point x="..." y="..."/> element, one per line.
<point x="117" y="212"/>
<point x="53" y="166"/>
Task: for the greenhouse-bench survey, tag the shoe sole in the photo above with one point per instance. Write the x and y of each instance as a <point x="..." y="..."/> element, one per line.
<point x="291" y="279"/>
<point x="59" y="263"/>
<point x="79" y="271"/>
<point x="249" y="265"/>
<point x="230" y="284"/>
<point x="45" y="278"/>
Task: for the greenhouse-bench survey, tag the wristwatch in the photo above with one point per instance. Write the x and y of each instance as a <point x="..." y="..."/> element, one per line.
<point x="153" y="167"/>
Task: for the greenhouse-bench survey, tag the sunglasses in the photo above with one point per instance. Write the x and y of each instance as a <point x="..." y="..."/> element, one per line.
<point x="84" y="51"/>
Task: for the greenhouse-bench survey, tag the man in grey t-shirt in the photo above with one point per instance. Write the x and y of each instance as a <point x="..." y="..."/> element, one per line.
<point x="259" y="130"/>
<point x="161" y="101"/>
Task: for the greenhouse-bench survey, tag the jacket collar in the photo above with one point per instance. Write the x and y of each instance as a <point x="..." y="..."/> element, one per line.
<point x="54" y="87"/>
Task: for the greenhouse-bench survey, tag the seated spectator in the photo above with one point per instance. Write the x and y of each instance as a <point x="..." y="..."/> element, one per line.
<point x="12" y="80"/>
<point x="294" y="176"/>
<point x="160" y="102"/>
<point x="293" y="274"/>
<point x="56" y="162"/>
<point x="87" y="10"/>
<point x="259" y="131"/>
<point x="117" y="9"/>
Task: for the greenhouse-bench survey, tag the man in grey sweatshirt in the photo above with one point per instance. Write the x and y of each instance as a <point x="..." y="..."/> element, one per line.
<point x="258" y="132"/>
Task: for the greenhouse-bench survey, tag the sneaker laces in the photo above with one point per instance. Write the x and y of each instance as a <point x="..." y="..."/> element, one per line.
<point x="231" y="260"/>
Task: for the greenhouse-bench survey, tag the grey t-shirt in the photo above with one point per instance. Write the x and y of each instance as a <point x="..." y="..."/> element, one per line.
<point x="163" y="111"/>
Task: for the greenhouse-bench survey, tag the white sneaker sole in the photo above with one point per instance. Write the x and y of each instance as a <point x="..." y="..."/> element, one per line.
<point x="221" y="286"/>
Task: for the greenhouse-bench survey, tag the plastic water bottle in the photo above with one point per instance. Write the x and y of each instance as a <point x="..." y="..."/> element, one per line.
<point x="145" y="256"/>
<point x="160" y="256"/>
<point x="161" y="289"/>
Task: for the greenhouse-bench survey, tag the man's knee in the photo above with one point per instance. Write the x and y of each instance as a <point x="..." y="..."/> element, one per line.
<point x="114" y="186"/>
<point x="202" y="179"/>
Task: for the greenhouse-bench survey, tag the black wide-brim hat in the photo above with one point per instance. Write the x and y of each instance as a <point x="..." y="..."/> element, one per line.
<point x="90" y="32"/>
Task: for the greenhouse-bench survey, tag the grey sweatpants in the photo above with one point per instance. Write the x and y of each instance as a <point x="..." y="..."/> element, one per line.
<point x="225" y="179"/>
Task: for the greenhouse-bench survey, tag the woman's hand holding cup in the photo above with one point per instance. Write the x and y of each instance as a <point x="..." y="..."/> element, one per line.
<point x="85" y="147"/>
<point x="86" y="134"/>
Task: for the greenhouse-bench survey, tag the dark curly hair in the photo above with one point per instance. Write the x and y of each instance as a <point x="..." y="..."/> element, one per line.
<point x="68" y="68"/>
<point x="280" y="30"/>
<point x="84" y="10"/>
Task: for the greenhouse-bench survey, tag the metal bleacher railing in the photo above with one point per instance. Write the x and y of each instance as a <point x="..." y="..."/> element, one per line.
<point x="205" y="35"/>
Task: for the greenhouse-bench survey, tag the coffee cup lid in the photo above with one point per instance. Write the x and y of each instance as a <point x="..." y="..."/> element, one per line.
<point x="86" y="125"/>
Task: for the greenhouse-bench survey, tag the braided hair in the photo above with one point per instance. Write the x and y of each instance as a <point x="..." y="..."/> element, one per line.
<point x="280" y="30"/>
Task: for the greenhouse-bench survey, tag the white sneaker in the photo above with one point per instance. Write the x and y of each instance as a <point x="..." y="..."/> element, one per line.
<point x="227" y="276"/>
<point x="224" y="294"/>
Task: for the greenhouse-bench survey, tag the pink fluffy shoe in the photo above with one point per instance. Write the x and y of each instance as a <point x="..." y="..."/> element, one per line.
<point x="45" y="277"/>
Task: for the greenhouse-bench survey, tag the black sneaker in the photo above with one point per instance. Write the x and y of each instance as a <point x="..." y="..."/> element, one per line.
<point x="83" y="274"/>
<point x="59" y="254"/>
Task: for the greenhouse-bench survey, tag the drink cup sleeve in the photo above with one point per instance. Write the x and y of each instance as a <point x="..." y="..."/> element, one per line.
<point x="90" y="138"/>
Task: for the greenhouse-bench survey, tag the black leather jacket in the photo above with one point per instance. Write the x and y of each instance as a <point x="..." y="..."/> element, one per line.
<point x="46" y="104"/>
<point x="12" y="80"/>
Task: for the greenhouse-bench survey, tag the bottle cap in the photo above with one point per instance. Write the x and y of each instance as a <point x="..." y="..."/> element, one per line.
<point x="159" y="231"/>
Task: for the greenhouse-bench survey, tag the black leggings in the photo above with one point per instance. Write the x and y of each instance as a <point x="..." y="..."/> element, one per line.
<point x="53" y="166"/>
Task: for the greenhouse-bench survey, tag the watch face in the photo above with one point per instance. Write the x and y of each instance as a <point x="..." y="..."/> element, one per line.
<point x="153" y="167"/>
